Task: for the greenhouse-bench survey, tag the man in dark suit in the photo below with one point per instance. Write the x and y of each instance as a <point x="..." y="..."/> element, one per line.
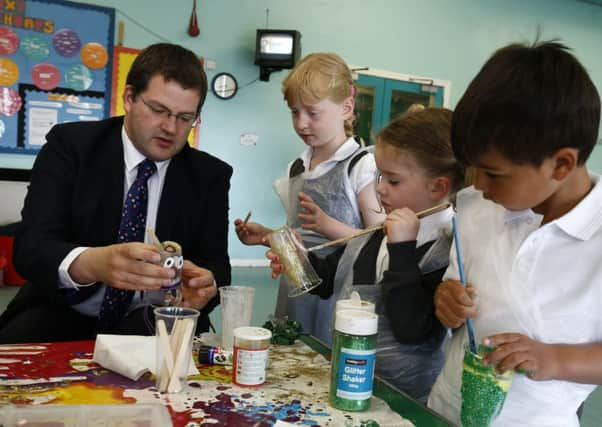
<point x="67" y="247"/>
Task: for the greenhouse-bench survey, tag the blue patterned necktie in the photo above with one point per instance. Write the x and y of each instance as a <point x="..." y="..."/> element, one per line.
<point x="133" y="225"/>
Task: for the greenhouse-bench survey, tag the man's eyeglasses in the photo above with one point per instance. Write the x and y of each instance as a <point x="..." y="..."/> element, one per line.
<point x="183" y="119"/>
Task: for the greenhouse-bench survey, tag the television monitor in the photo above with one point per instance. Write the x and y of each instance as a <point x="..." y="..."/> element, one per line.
<point x="277" y="50"/>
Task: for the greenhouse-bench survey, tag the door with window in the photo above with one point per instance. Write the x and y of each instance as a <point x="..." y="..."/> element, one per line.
<point x="381" y="98"/>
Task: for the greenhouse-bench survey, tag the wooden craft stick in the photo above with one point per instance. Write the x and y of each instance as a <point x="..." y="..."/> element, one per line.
<point x="182" y="356"/>
<point x="168" y="360"/>
<point x="154" y="238"/>
<point x="173" y="345"/>
<point x="420" y="214"/>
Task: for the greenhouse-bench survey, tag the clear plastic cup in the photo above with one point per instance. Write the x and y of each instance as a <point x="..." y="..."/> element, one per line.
<point x="236" y="305"/>
<point x="299" y="273"/>
<point x="174" y="328"/>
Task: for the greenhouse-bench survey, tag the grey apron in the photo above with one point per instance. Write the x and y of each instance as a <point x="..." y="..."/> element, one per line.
<point x="327" y="192"/>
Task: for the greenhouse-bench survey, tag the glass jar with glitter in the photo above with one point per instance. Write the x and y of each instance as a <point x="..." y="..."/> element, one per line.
<point x="483" y="389"/>
<point x="353" y="359"/>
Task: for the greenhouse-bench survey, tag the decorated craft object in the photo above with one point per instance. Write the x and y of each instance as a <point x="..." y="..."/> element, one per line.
<point x="66" y="42"/>
<point x="94" y="56"/>
<point x="9" y="41"/>
<point x="10" y="101"/>
<point x="35" y="47"/>
<point x="171" y="257"/>
<point x="9" y="72"/>
<point x="45" y="76"/>
<point x="79" y="78"/>
<point x="483" y="389"/>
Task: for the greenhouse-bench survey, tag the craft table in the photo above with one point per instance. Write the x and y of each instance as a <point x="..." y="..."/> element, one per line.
<point x="296" y="389"/>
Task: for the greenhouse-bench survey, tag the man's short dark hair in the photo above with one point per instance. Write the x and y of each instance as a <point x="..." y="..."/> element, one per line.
<point x="174" y="63"/>
<point x="527" y="102"/>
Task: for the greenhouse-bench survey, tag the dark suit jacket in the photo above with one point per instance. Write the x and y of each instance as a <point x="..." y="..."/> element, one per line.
<point x="75" y="199"/>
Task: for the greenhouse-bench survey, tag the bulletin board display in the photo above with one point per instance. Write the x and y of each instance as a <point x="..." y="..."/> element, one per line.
<point x="123" y="58"/>
<point x="55" y="67"/>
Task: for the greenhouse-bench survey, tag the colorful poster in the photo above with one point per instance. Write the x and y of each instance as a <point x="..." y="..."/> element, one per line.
<point x="55" y="67"/>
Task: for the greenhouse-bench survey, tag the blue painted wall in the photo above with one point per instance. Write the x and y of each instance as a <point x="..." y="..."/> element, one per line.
<point x="442" y="39"/>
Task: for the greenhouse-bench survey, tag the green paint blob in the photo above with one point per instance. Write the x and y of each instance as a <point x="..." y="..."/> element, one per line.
<point x="483" y="389"/>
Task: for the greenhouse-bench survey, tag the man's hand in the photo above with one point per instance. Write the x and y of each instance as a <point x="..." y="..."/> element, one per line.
<point x="132" y="266"/>
<point x="198" y="286"/>
<point x="454" y="303"/>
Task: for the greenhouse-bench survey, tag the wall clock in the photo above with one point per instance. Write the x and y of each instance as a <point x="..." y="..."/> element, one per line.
<point x="224" y="85"/>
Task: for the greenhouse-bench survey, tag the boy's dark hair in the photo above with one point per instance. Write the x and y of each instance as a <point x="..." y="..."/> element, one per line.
<point x="174" y="63"/>
<point x="527" y="102"/>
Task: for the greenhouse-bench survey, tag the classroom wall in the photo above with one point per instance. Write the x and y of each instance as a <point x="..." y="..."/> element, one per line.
<point x="444" y="39"/>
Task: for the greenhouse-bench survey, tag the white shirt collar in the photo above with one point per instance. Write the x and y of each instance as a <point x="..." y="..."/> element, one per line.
<point x="522" y="215"/>
<point x="581" y="222"/>
<point x="344" y="151"/>
<point x="133" y="157"/>
<point x="585" y="219"/>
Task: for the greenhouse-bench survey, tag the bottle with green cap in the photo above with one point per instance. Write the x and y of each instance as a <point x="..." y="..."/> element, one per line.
<point x="353" y="359"/>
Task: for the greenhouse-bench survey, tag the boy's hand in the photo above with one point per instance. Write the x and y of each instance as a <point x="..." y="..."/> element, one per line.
<point x="251" y="233"/>
<point x="519" y="352"/>
<point x="401" y="225"/>
<point x="314" y="217"/>
<point x="454" y="303"/>
<point x="275" y="264"/>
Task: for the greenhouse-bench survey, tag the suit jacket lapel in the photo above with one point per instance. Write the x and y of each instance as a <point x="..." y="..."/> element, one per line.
<point x="113" y="172"/>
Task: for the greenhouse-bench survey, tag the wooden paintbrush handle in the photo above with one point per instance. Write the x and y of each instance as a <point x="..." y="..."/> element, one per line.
<point x="420" y="214"/>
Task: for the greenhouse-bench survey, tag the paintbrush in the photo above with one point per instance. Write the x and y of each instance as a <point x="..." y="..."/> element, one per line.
<point x="471" y="341"/>
<point x="246" y="219"/>
<point x="420" y="214"/>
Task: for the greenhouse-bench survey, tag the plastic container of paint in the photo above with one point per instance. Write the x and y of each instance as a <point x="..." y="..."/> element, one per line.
<point x="250" y="359"/>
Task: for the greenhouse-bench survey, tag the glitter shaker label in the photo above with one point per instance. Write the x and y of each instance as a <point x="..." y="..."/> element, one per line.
<point x="356" y="373"/>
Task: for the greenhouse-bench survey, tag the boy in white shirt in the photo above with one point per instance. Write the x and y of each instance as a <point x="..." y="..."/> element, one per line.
<point x="530" y="232"/>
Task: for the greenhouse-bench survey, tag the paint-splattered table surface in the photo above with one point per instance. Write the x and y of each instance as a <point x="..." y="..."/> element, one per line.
<point x="296" y="389"/>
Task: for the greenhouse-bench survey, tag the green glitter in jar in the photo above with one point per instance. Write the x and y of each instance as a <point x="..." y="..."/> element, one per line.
<point x="483" y="389"/>
<point x="353" y="358"/>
